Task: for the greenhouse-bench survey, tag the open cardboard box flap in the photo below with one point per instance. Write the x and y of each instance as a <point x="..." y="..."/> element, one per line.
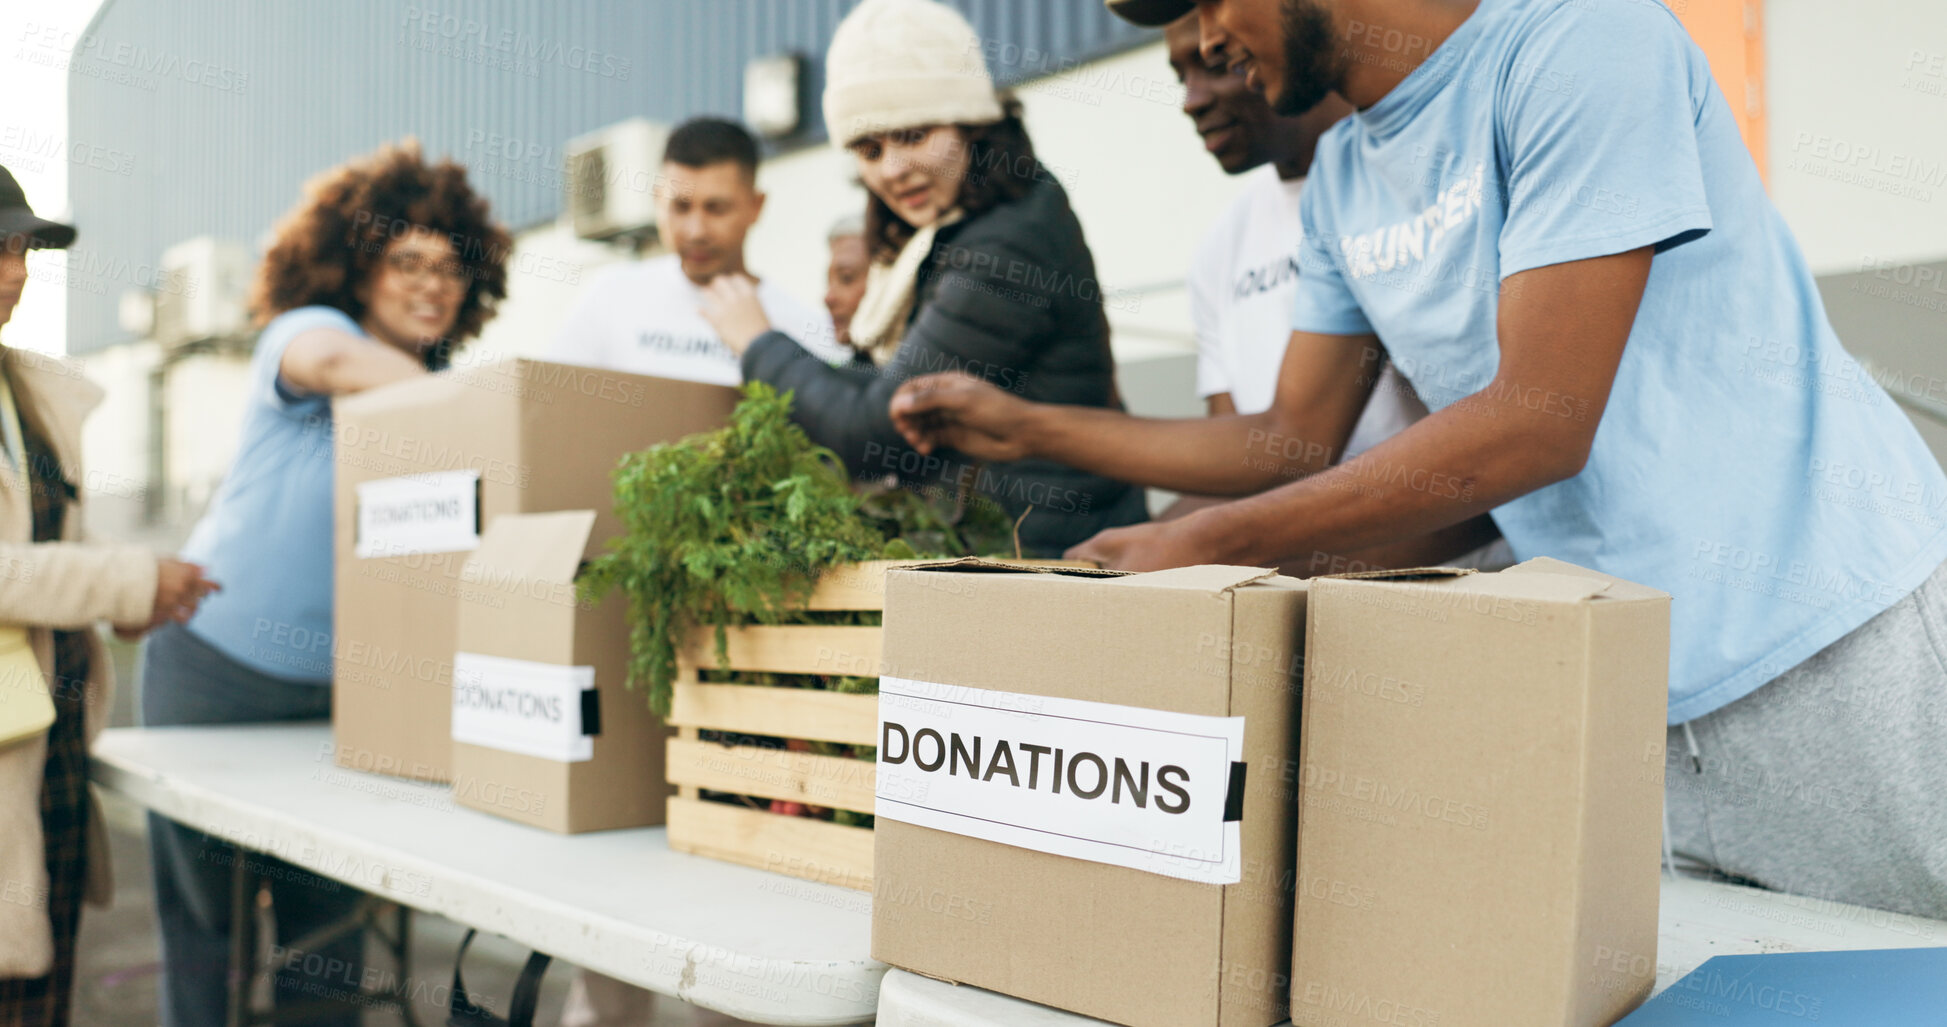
<point x="531" y="547"/>
<point x="1404" y="574"/>
<point x="1213" y="578"/>
<point x="988" y="565"/>
<point x="1617" y="588"/>
<point x="1541" y="580"/>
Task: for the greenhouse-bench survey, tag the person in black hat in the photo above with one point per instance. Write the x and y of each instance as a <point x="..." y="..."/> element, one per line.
<point x="18" y="221"/>
<point x="53" y="589"/>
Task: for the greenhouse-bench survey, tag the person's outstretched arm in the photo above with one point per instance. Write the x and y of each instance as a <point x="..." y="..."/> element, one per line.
<point x="975" y="320"/>
<point x="329" y="362"/>
<point x="71" y="585"/>
<point x="1323" y="386"/>
<point x="1562" y="330"/>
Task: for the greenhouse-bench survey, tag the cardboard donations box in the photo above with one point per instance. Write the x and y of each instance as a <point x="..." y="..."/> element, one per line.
<point x="1078" y="787"/>
<point x="1482" y="785"/>
<point x="422" y="466"/>
<point x="545" y="730"/>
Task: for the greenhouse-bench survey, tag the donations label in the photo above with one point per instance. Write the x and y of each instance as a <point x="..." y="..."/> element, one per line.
<point x="1141" y="788"/>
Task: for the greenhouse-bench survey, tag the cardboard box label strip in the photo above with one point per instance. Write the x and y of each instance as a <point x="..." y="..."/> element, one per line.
<point x="437" y="512"/>
<point x="1141" y="788"/>
<point x="536" y="709"/>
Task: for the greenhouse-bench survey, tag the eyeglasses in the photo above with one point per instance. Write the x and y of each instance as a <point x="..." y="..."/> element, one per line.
<point x="415" y="265"/>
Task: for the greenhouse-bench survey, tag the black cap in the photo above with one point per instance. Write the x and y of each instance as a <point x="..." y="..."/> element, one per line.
<point x="17" y="218"/>
<point x="1151" y="13"/>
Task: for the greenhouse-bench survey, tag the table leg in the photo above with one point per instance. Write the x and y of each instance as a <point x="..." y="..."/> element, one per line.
<point x="244" y="885"/>
<point x="369" y="915"/>
<point x="398" y="945"/>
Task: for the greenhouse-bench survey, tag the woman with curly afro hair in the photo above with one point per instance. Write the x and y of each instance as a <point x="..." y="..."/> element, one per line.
<point x="384" y="265"/>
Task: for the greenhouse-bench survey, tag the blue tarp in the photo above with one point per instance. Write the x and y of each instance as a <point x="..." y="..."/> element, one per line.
<point x="1872" y="988"/>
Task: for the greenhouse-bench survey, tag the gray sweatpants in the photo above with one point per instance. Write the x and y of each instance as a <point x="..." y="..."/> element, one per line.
<point x="1828" y="781"/>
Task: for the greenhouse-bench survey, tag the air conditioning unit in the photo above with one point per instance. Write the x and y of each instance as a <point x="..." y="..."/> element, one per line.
<point x="611" y="179"/>
<point x="202" y="291"/>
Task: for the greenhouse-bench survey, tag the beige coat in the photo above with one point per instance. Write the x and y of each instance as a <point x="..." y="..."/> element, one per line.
<point x="65" y="584"/>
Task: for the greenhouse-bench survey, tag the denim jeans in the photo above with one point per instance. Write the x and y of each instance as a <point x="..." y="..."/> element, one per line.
<point x="185" y="680"/>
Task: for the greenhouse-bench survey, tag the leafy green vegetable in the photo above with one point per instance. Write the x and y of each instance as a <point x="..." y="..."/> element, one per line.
<point x="734" y="526"/>
<point x="724" y="527"/>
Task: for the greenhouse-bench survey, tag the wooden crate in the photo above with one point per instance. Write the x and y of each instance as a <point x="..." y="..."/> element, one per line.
<point x="800" y="846"/>
<point x="813" y="849"/>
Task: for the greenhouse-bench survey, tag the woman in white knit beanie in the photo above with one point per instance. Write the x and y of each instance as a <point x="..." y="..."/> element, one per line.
<point x="978" y="266"/>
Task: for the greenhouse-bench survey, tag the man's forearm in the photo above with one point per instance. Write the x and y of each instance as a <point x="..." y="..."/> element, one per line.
<point x="1561" y="332"/>
<point x="1183" y="506"/>
<point x="1440" y="548"/>
<point x="1450" y="467"/>
<point x="1437" y="549"/>
<point x="1235" y="455"/>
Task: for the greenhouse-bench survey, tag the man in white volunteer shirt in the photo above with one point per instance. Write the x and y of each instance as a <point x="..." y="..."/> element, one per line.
<point x="1245" y="275"/>
<point x="641" y="316"/>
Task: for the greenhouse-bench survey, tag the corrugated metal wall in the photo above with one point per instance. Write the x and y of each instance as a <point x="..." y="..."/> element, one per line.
<point x="220" y="109"/>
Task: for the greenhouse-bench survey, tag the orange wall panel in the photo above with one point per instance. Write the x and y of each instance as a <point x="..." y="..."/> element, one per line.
<point x="1731" y="34"/>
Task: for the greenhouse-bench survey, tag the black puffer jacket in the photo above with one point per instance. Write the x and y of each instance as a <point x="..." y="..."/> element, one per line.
<point x="1010" y="296"/>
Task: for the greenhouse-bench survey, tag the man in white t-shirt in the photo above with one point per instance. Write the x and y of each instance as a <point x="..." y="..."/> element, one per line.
<point x="1245" y="275"/>
<point x="641" y="316"/>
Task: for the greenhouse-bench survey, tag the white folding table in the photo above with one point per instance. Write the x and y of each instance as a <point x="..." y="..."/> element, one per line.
<point x="754" y="945"/>
<point x="1697" y="919"/>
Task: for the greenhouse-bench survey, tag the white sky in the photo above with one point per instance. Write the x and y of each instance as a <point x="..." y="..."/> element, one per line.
<point x="34" y="106"/>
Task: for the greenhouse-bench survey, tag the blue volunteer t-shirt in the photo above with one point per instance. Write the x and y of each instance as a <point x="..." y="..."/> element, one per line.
<point x="266" y="537"/>
<point x="1745" y="463"/>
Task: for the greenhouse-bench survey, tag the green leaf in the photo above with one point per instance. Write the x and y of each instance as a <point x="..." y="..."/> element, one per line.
<point x="734" y="526"/>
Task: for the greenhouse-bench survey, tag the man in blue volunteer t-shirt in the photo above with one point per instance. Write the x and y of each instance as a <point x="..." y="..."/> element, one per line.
<point x="1544" y="209"/>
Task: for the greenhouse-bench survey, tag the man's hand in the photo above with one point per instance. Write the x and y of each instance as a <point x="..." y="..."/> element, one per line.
<point x="179" y="589"/>
<point x="1155" y="546"/>
<point x="731" y="306"/>
<point x="963" y="413"/>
